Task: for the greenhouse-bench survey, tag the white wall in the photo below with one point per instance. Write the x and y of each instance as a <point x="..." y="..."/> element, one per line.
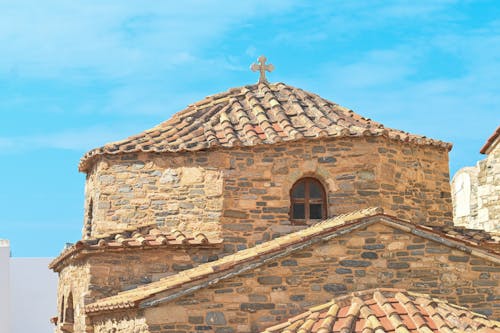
<point x="28" y="293"/>
<point x="33" y="290"/>
<point x="4" y="286"/>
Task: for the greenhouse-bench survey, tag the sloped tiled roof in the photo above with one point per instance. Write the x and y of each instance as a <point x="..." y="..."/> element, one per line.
<point x="490" y="141"/>
<point x="131" y="298"/>
<point x="386" y="310"/>
<point x="263" y="113"/>
<point x="476" y="237"/>
<point x="142" y="237"/>
<point x="212" y="272"/>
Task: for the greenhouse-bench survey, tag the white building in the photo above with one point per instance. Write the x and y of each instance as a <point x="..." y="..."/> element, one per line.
<point x="27" y="286"/>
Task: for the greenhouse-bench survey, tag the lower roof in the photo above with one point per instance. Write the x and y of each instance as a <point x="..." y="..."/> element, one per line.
<point x="386" y="310"/>
<point x="480" y="244"/>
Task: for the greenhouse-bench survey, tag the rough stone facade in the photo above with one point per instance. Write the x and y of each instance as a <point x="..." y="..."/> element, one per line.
<point x="377" y="256"/>
<point x="476" y="193"/>
<point x="244" y="194"/>
<point x="103" y="274"/>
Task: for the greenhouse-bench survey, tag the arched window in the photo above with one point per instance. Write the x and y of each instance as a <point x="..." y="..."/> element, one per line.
<point x="69" y="313"/>
<point x="308" y="201"/>
<point x="61" y="315"/>
<point x="90" y="216"/>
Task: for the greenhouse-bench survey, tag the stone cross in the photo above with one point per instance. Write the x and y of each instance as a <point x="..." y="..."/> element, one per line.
<point x="262" y="68"/>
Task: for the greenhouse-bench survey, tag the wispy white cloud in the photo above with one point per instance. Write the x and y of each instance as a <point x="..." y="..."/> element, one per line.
<point x="114" y="39"/>
<point x="78" y="139"/>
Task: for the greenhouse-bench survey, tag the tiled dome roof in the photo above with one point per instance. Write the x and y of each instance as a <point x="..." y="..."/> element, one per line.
<point x="263" y="113"/>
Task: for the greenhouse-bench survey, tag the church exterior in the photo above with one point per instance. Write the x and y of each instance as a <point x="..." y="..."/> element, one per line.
<point x="254" y="205"/>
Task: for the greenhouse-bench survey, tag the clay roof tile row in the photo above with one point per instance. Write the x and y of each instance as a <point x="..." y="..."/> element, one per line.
<point x="145" y="236"/>
<point x="334" y="226"/>
<point x="264" y="113"/>
<point x="386" y="310"/>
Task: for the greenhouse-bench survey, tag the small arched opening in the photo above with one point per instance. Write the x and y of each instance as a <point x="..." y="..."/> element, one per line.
<point x="308" y="201"/>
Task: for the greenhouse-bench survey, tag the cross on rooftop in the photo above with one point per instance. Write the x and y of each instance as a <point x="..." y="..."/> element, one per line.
<point x="262" y="68"/>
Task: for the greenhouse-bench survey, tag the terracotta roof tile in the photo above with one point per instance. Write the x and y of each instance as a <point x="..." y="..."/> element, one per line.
<point x="477" y="237"/>
<point x="264" y="113"/>
<point x="142" y="237"/>
<point x="262" y="253"/>
<point x="490" y="141"/>
<point x="375" y="311"/>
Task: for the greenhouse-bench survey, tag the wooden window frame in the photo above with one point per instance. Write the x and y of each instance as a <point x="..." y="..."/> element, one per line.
<point x="307" y="201"/>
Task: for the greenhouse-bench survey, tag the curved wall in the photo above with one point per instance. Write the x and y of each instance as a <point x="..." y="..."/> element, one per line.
<point x="243" y="194"/>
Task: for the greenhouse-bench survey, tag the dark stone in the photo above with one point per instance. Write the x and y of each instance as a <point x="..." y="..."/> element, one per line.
<point x="398" y="265"/>
<point x="235" y="214"/>
<point x="369" y="255"/>
<point x="297" y="298"/>
<point x="252" y="307"/>
<point x="302" y="255"/>
<point x="195" y="319"/>
<point x="343" y="271"/>
<point x="345" y="177"/>
<point x="215" y="318"/>
<point x="334" y="287"/>
<point x="238" y="226"/>
<point x="268" y="280"/>
<point x="224" y="291"/>
<point x="318" y="149"/>
<point x="226" y="329"/>
<point x="438" y="250"/>
<point x="459" y="258"/>
<point x="374" y="247"/>
<point x="289" y="262"/>
<point x="484" y="283"/>
<point x="198" y="328"/>
<point x="181" y="267"/>
<point x="470" y="299"/>
<point x="355" y="263"/>
<point x="367" y="193"/>
<point x="257" y="298"/>
<point x="275" y="209"/>
<point x="327" y="159"/>
<point x="486" y="269"/>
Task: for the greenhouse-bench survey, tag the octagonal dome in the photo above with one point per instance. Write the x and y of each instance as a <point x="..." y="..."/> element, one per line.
<point x="263" y="113"/>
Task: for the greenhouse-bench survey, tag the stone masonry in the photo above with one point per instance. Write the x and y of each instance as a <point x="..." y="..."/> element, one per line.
<point x="476" y="191"/>
<point x="243" y="194"/>
<point x="376" y="256"/>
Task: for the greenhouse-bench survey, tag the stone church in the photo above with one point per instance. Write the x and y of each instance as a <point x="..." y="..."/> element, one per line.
<point x="269" y="208"/>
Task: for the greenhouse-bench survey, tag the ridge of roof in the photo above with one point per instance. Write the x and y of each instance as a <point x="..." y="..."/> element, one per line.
<point x="262" y="113"/>
<point x="148" y="236"/>
<point x="490" y="141"/>
<point x="386" y="310"/>
<point x="193" y="279"/>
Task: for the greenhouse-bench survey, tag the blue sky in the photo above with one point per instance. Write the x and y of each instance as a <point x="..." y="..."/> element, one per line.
<point x="77" y="74"/>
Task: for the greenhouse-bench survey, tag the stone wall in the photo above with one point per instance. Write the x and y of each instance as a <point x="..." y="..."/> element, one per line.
<point x="481" y="208"/>
<point x="488" y="191"/>
<point x="115" y="271"/>
<point x="103" y="274"/>
<point x="377" y="256"/>
<point x="74" y="280"/>
<point x="242" y="194"/>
